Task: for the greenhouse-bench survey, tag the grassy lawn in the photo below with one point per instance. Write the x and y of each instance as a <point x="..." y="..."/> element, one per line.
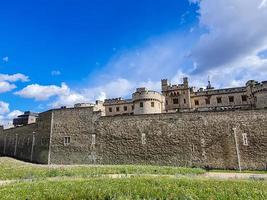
<point x="135" y="188"/>
<point x="13" y="169"/>
<point x="86" y="182"/>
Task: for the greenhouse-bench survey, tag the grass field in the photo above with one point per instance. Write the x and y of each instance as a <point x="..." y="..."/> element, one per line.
<point x="13" y="169"/>
<point x="86" y="182"/>
<point x="136" y="188"/>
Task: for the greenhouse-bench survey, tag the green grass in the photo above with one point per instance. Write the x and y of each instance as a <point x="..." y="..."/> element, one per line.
<point x="87" y="182"/>
<point x="13" y="169"/>
<point x="136" y="188"/>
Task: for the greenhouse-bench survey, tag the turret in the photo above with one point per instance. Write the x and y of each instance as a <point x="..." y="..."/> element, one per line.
<point x="164" y="84"/>
<point x="185" y="82"/>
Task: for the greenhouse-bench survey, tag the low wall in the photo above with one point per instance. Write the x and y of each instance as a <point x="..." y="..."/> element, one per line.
<point x="201" y="139"/>
<point x="28" y="143"/>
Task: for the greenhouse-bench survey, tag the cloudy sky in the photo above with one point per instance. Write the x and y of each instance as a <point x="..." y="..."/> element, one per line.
<point x="59" y="52"/>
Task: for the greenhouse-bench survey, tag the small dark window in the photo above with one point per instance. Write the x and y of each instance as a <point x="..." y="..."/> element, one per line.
<point x="231" y="99"/>
<point x="132" y="107"/>
<point x="166" y="102"/>
<point x="175" y="101"/>
<point x="117" y="109"/>
<point x="110" y="109"/>
<point x="125" y="108"/>
<point x="66" y="140"/>
<point x="207" y="101"/>
<point x="244" y="97"/>
<point x="152" y="104"/>
<point x="196" y="102"/>
<point x="141" y="105"/>
<point x="184" y="101"/>
<point x="219" y="99"/>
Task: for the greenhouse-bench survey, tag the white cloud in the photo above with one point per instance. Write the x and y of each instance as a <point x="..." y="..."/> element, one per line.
<point x="40" y="92"/>
<point x="64" y="96"/>
<point x="6" y="117"/>
<point x="263" y="4"/>
<point x="6" y="86"/>
<point x="116" y="88"/>
<point x="14" y="77"/>
<point x="4" y="107"/>
<point x="14" y="114"/>
<point x="5" y="59"/>
<point x="6" y="81"/>
<point x="55" y="73"/>
<point x="235" y="30"/>
<point x="156" y="58"/>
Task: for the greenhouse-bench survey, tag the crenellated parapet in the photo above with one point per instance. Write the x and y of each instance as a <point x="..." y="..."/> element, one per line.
<point x="147" y="101"/>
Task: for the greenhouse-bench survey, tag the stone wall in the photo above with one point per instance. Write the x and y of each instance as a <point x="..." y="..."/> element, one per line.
<point x="197" y="139"/>
<point x="200" y="139"/>
<point x="78" y="124"/>
<point x="29" y="143"/>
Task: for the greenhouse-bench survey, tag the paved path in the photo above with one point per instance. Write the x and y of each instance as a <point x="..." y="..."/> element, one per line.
<point x="223" y="175"/>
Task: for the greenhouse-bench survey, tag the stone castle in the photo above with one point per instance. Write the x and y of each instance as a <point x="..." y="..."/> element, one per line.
<point x="183" y="98"/>
<point x="224" y="128"/>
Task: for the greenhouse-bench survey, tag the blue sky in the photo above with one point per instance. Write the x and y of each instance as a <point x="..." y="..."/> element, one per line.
<point x="61" y="52"/>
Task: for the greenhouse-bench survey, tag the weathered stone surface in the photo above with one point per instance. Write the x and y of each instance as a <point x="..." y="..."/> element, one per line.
<point x="18" y="142"/>
<point x="199" y="139"/>
<point x="203" y="139"/>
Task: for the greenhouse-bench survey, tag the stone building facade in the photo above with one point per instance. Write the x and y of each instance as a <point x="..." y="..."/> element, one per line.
<point x="211" y="139"/>
<point x="143" y="102"/>
<point x="118" y="106"/>
<point x="182" y="97"/>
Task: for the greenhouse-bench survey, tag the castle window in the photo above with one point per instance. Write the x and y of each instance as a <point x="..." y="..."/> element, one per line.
<point x="93" y="138"/>
<point x="196" y="102"/>
<point x="132" y="107"/>
<point x="117" y="109"/>
<point x="152" y="104"/>
<point x="231" y="99"/>
<point x="110" y="109"/>
<point x="175" y="101"/>
<point x="125" y="108"/>
<point x="143" y="138"/>
<point x="219" y="99"/>
<point x="184" y="101"/>
<point x="245" y="139"/>
<point x="141" y="105"/>
<point x="244" y="97"/>
<point x="66" y="140"/>
<point x="166" y="102"/>
<point x="207" y="101"/>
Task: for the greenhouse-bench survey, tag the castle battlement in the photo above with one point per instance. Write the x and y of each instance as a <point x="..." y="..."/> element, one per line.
<point x="183" y="98"/>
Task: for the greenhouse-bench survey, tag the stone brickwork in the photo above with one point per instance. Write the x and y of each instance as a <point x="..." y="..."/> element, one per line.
<point x="29" y="143"/>
<point x="78" y="124"/>
<point x="196" y="139"/>
<point x="189" y="139"/>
